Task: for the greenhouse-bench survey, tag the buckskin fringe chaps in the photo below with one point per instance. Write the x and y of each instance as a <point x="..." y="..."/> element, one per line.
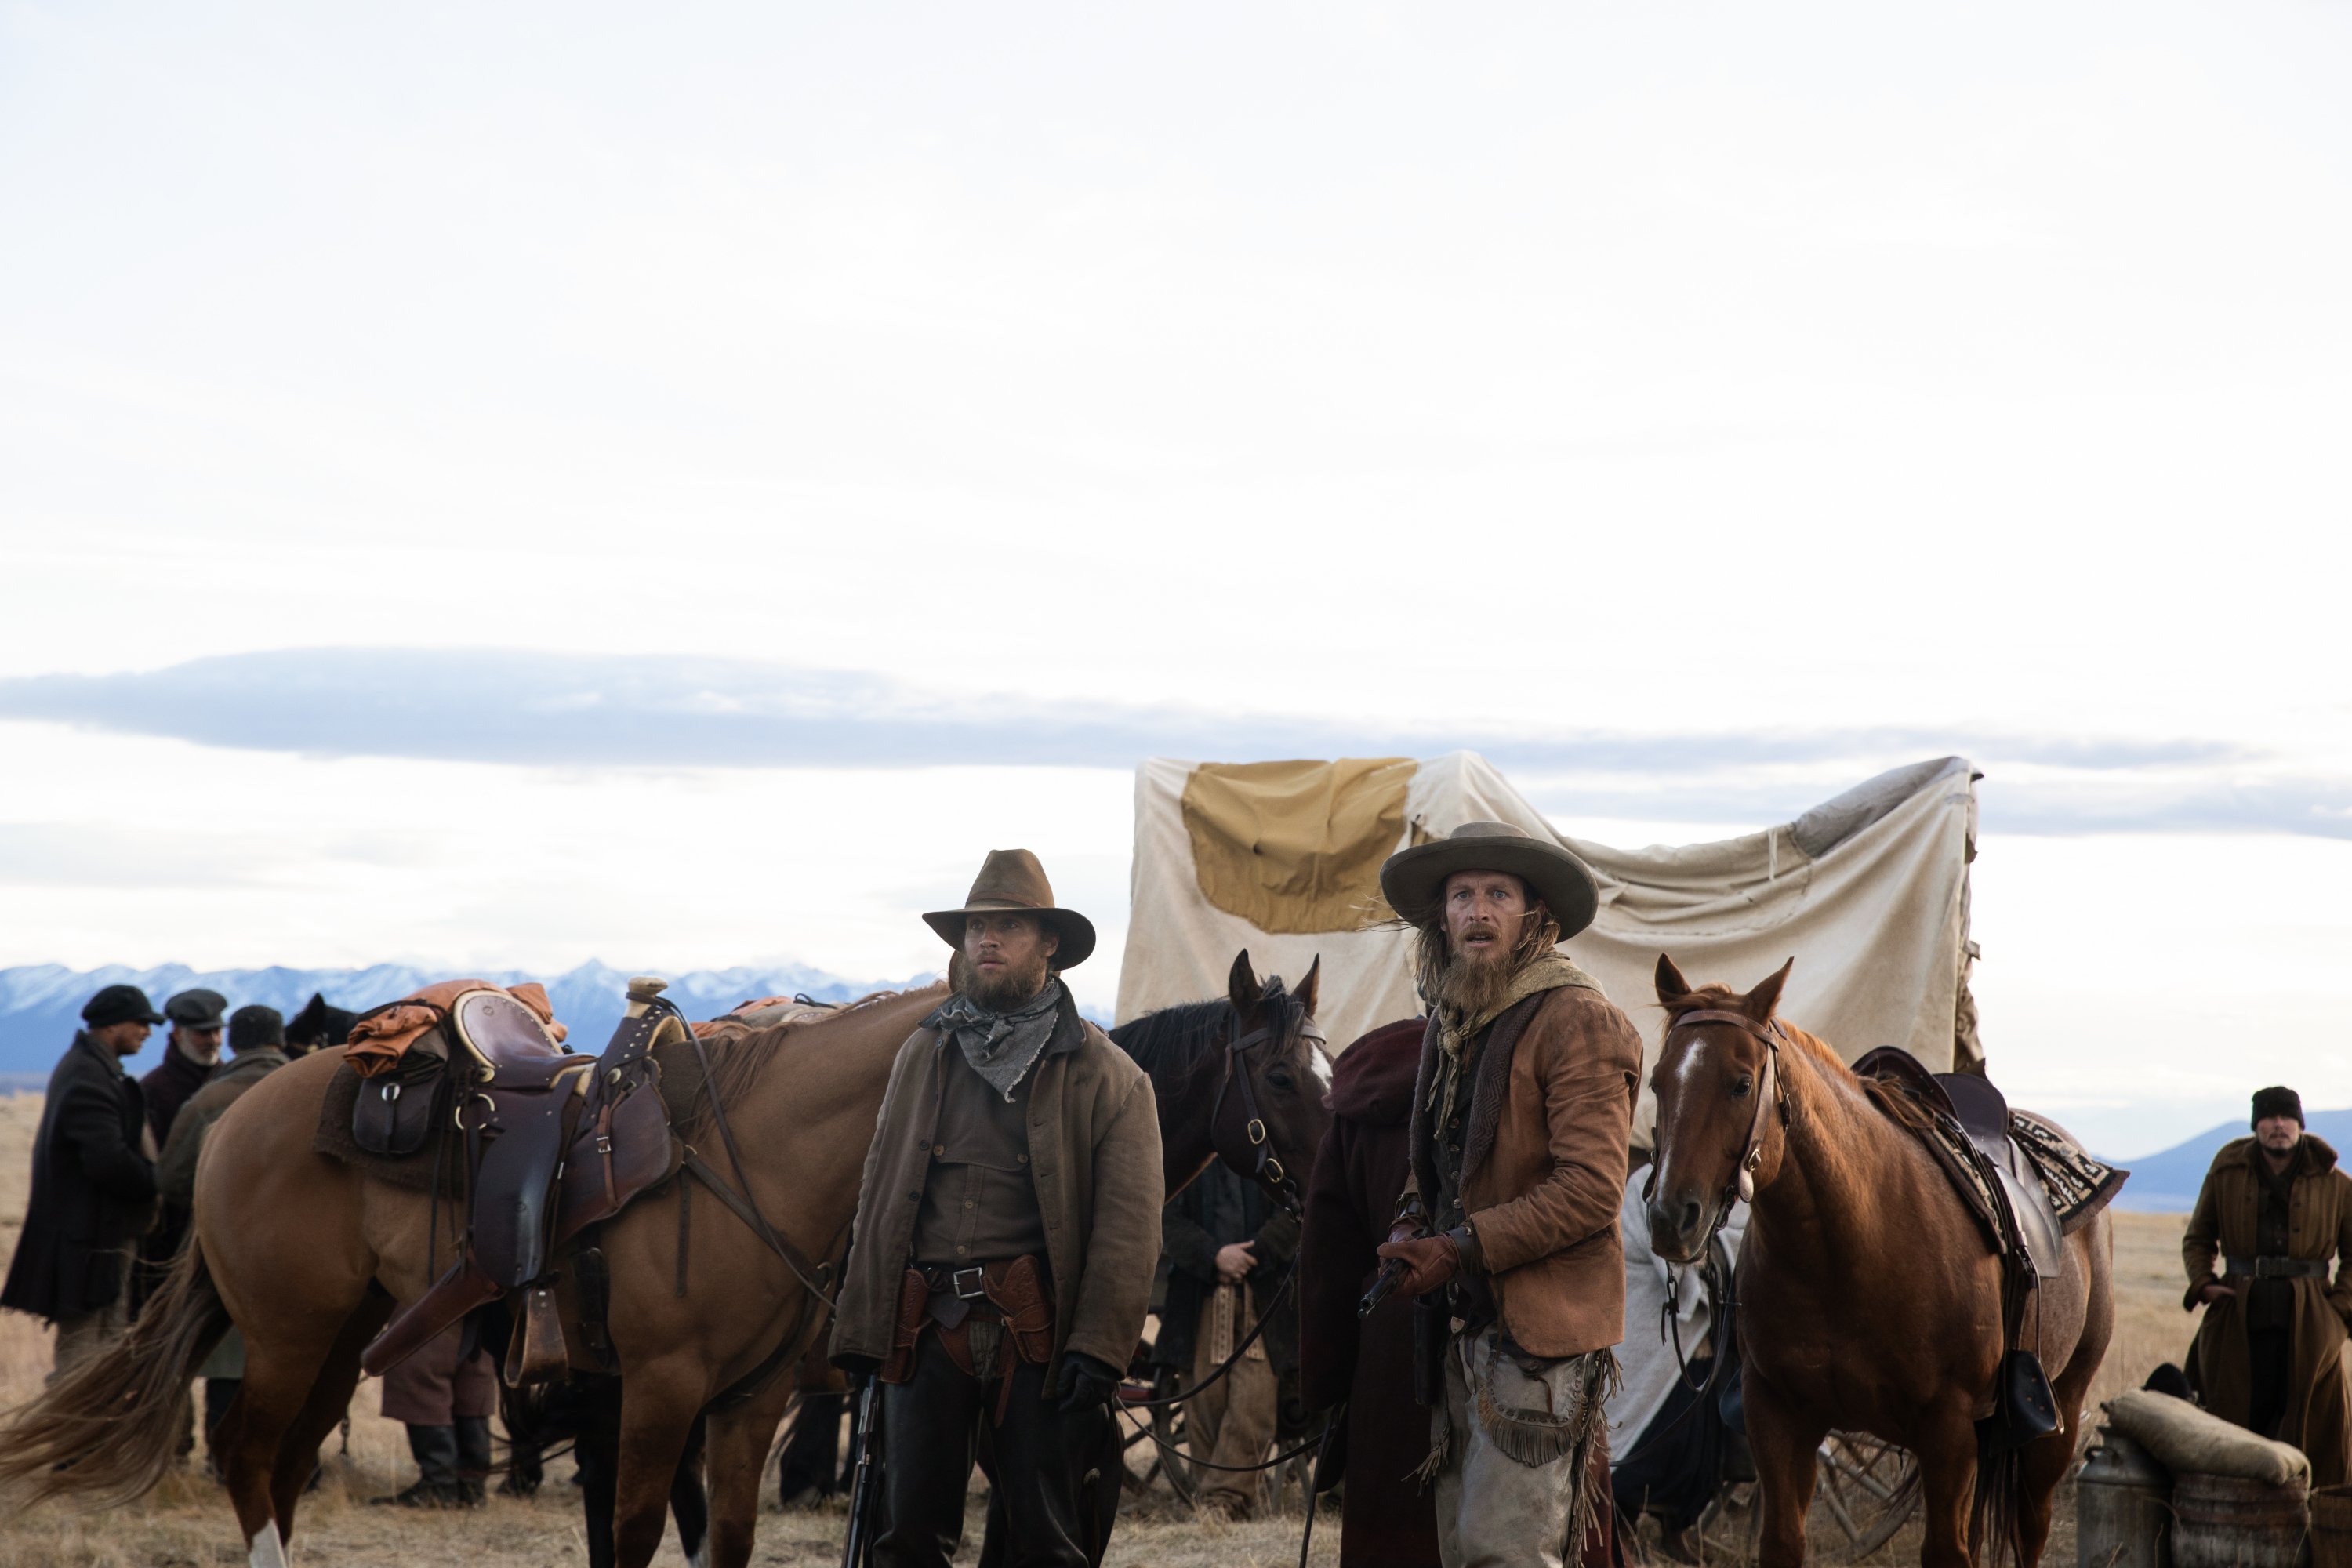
<point x="1512" y="1452"/>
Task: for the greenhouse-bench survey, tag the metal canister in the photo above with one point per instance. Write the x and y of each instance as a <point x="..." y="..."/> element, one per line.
<point x="2123" y="1507"/>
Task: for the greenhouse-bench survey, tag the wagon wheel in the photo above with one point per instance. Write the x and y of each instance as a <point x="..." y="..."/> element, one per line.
<point x="1863" y="1492"/>
<point x="1140" y="1483"/>
<point x="1727" y="1532"/>
<point x="1868" y="1487"/>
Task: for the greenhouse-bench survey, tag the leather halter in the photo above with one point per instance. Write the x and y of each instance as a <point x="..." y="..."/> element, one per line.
<point x="1268" y="1170"/>
<point x="1768" y="1090"/>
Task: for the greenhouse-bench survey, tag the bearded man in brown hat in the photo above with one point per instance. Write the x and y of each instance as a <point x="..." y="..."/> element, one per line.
<point x="1008" y="1227"/>
<point x="1522" y="1112"/>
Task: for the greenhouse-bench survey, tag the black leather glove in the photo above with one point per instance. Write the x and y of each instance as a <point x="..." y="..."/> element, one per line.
<point x="1086" y="1382"/>
<point x="858" y="1367"/>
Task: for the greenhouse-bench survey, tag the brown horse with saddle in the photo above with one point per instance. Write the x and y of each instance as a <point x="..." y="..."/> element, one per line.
<point x="742" y="1154"/>
<point x="1917" y="1254"/>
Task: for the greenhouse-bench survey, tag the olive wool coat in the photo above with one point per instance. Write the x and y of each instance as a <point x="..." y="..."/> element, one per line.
<point x="1094" y="1159"/>
<point x="2319" y="1418"/>
<point x="93" y="1189"/>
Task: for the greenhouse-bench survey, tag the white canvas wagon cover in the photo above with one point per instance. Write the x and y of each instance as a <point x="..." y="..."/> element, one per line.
<point x="1869" y="892"/>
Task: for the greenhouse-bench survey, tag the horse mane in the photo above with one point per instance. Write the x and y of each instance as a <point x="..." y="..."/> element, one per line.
<point x="1169" y="1043"/>
<point x="738" y="1057"/>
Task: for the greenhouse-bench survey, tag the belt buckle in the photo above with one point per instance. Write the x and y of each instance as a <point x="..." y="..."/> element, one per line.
<point x="979" y="1288"/>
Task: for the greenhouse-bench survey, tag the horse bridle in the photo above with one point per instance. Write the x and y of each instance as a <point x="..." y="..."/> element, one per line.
<point x="1268" y="1169"/>
<point x="1768" y="1090"/>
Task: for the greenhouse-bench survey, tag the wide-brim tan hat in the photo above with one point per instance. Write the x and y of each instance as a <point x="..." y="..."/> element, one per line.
<point x="1011" y="881"/>
<point x="1414" y="880"/>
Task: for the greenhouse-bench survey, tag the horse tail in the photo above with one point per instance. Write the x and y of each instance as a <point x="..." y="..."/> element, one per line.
<point x="1997" y="1516"/>
<point x="106" y="1432"/>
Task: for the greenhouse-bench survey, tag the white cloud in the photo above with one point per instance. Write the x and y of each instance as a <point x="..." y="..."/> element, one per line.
<point x="1660" y="372"/>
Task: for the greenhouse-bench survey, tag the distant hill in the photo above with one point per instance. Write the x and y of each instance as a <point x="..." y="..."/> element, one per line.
<point x="40" y="1004"/>
<point x="2167" y="1183"/>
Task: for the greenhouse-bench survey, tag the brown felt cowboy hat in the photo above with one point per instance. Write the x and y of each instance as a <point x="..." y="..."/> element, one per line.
<point x="1011" y="880"/>
<point x="1414" y="880"/>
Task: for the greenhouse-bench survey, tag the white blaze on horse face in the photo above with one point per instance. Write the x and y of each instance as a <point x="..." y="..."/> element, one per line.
<point x="1687" y="1067"/>
<point x="265" y="1550"/>
<point x="1319" y="1064"/>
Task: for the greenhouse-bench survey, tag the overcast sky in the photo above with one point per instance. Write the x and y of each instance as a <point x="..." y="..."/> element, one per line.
<point x="515" y="484"/>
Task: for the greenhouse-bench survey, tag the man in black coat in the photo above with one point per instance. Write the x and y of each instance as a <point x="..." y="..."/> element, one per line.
<point x="93" y="1185"/>
<point x="191" y="1050"/>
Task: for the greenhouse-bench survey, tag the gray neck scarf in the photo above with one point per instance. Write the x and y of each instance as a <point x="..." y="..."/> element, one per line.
<point x="1001" y="1046"/>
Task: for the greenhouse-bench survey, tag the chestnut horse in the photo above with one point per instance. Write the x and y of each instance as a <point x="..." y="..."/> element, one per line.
<point x="309" y="1257"/>
<point x="1869" y="1298"/>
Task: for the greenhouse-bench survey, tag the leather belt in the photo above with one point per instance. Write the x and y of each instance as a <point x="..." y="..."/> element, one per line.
<point x="964" y="1284"/>
<point x="2278" y="1267"/>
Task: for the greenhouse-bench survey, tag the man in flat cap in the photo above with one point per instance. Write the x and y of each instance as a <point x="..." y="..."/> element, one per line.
<point x="93" y="1184"/>
<point x="1008" y="1227"/>
<point x="1522" y="1110"/>
<point x="191" y="1050"/>
<point x="2274" y="1210"/>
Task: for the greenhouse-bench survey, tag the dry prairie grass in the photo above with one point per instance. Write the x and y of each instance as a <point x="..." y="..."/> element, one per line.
<point x="185" y="1523"/>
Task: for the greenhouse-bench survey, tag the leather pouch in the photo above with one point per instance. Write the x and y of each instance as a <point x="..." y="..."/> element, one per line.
<point x="394" y="1113"/>
<point x="914" y="1296"/>
<point x="1020" y="1295"/>
<point x="599" y="1181"/>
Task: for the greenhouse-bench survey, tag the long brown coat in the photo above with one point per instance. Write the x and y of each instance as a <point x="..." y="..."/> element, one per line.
<point x="1543" y="1166"/>
<point x="1094" y="1158"/>
<point x="2319" y="1225"/>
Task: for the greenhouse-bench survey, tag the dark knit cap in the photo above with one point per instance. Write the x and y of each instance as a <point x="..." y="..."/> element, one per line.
<point x="2278" y="1100"/>
<point x="255" y="1027"/>
<point x="120" y="1004"/>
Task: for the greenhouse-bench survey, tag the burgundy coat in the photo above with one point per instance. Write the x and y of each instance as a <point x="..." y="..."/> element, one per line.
<point x="1389" y="1520"/>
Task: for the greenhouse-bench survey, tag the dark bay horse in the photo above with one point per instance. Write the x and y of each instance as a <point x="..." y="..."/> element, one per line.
<point x="1869" y="1298"/>
<point x="310" y="1257"/>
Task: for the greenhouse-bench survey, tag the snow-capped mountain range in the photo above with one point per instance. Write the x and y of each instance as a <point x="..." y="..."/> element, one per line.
<point x="40" y="1004"/>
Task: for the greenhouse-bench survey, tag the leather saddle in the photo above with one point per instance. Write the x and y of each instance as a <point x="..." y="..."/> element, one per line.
<point x="552" y="1142"/>
<point x="1996" y="1177"/>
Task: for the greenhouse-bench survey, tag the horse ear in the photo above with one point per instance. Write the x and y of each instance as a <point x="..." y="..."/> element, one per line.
<point x="1672" y="986"/>
<point x="1309" y="986"/>
<point x="1242" y="986"/>
<point x="1761" y="1001"/>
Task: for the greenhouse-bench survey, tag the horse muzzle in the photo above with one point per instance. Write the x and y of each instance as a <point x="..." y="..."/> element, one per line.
<point x="1680" y="1222"/>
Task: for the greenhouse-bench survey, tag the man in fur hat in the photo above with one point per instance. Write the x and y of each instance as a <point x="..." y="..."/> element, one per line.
<point x="1522" y="1110"/>
<point x="2274" y="1210"/>
<point x="1008" y="1227"/>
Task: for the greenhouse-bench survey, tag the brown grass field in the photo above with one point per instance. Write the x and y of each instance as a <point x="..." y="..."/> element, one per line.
<point x="185" y="1523"/>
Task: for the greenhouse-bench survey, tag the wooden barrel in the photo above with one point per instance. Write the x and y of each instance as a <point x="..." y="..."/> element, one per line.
<point x="2331" y="1528"/>
<point x="2123" y="1507"/>
<point x="2219" y="1522"/>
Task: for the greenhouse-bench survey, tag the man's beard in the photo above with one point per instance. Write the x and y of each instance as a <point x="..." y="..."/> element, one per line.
<point x="1007" y="991"/>
<point x="1474" y="982"/>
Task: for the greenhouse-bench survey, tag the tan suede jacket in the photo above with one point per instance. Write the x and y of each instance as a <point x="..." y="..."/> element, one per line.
<point x="1543" y="1168"/>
